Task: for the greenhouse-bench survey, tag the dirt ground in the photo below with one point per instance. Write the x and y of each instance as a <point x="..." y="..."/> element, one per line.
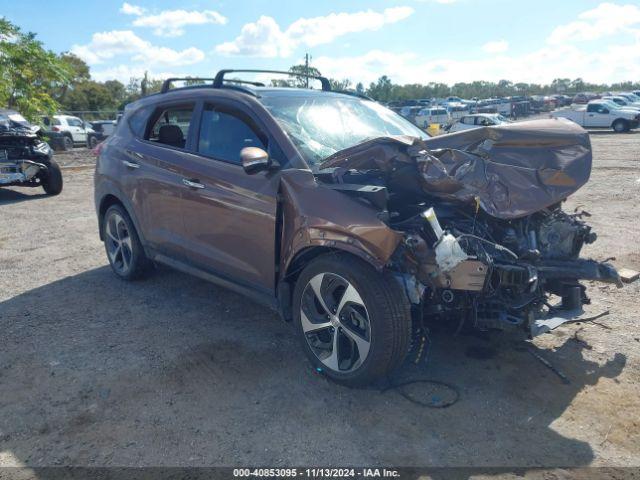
<point x="175" y="371"/>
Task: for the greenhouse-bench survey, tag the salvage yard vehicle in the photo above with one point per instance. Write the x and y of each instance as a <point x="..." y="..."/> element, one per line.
<point x="432" y="115"/>
<point x="26" y="160"/>
<point x="601" y="114"/>
<point x="74" y="129"/>
<point x="478" y="120"/>
<point x="346" y="218"/>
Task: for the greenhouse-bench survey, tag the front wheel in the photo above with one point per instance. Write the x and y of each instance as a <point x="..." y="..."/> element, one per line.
<point x="354" y="322"/>
<point x="620" y="126"/>
<point x="52" y="180"/>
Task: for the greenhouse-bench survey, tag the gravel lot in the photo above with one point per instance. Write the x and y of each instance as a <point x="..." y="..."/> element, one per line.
<point x="175" y="371"/>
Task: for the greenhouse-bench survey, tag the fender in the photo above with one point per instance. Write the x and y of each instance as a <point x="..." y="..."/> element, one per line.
<point x="315" y="216"/>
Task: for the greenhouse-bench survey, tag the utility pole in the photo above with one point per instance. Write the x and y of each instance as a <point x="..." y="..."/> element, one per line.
<point x="307" y="59"/>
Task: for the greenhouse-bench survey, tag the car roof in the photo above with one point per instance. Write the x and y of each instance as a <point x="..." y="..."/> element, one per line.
<point x="235" y="91"/>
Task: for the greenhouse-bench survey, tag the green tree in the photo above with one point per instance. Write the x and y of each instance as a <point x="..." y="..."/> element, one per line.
<point x="28" y="72"/>
<point x="381" y="90"/>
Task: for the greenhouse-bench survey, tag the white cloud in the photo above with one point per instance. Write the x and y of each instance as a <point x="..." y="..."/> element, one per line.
<point x="107" y="45"/>
<point x="124" y="73"/>
<point x="265" y="38"/>
<point x="607" y="19"/>
<point x="129" y="9"/>
<point x="171" y="23"/>
<point x="496" y="46"/>
<point x="613" y="64"/>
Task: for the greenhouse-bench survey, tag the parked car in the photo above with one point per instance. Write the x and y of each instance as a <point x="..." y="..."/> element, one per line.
<point x="25" y="159"/>
<point x="478" y="120"/>
<point x="432" y="115"/>
<point x="103" y="129"/>
<point x="601" y="114"/>
<point x="336" y="212"/>
<point x="621" y="101"/>
<point x="410" y="112"/>
<point x="74" y="129"/>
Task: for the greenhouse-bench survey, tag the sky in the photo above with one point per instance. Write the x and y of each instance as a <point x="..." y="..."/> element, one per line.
<point x="411" y="41"/>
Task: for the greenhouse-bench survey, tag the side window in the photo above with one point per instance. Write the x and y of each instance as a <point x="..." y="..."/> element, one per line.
<point x="171" y="126"/>
<point x="592" y="108"/>
<point x="74" y="122"/>
<point x="138" y="121"/>
<point x="223" y="135"/>
<point x="467" y="120"/>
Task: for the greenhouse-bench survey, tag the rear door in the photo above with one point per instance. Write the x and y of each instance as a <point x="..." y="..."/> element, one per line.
<point x="155" y="178"/>
<point x="230" y="216"/>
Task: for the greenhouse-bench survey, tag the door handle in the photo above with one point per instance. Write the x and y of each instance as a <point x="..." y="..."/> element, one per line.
<point x="192" y="183"/>
<point x="134" y="154"/>
<point x="128" y="164"/>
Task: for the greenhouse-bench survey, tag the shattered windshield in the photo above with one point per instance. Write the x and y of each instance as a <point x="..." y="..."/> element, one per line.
<point x="323" y="125"/>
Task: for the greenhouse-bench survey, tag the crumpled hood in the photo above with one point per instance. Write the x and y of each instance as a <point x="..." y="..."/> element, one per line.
<point x="513" y="170"/>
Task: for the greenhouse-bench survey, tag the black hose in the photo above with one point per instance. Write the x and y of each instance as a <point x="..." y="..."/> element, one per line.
<point x="399" y="388"/>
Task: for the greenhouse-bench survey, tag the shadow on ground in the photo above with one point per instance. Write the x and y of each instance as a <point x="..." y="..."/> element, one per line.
<point x="8" y="197"/>
<point x="174" y="371"/>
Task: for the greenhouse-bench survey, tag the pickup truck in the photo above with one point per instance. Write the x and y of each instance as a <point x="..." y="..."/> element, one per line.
<point x="601" y="114"/>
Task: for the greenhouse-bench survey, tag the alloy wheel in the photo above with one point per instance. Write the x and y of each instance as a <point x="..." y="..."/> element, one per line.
<point x="335" y="322"/>
<point x="118" y="242"/>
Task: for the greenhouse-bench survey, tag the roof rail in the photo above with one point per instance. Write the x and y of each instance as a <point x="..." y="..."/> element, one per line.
<point x="166" y="85"/>
<point x="219" y="80"/>
<point x="353" y="93"/>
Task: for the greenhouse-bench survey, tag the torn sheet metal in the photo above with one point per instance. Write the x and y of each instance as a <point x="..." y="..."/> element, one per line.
<point x="511" y="170"/>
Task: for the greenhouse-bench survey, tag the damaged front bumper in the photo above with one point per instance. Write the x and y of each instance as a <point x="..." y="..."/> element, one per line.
<point x="20" y="172"/>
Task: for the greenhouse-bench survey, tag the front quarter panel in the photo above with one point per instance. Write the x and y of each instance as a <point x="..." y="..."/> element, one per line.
<point x="314" y="215"/>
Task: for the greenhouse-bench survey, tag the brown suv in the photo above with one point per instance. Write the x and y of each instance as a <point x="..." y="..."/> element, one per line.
<point x="348" y="219"/>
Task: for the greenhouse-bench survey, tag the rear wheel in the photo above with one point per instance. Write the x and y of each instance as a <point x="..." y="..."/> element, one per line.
<point x="122" y="244"/>
<point x="67" y="143"/>
<point x="354" y="322"/>
<point x="52" y="181"/>
<point x="620" y="126"/>
<point x="92" y="142"/>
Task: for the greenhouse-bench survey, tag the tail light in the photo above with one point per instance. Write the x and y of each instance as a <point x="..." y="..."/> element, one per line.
<point x="55" y="129"/>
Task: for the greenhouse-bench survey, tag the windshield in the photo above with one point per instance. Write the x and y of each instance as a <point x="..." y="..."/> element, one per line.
<point x="323" y="125"/>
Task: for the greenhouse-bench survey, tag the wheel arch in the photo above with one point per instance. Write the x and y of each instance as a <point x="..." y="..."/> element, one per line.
<point x="109" y="199"/>
<point x="300" y="260"/>
<point x="626" y="122"/>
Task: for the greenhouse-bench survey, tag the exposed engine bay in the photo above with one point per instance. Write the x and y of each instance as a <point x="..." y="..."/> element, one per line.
<point x="486" y="243"/>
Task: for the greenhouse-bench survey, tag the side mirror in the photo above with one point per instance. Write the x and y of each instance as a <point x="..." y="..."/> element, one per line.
<point x="254" y="160"/>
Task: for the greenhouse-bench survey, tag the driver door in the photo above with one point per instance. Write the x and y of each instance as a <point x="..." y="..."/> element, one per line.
<point x="229" y="215"/>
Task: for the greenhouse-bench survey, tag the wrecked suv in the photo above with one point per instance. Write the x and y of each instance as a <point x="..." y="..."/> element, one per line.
<point x="346" y="218"/>
<point x="26" y="160"/>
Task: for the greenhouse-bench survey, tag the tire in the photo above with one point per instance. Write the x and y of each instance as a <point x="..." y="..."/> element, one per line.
<point x="92" y="142"/>
<point x="122" y="244"/>
<point x="67" y="143"/>
<point x="377" y="311"/>
<point x="620" y="126"/>
<point x="52" y="181"/>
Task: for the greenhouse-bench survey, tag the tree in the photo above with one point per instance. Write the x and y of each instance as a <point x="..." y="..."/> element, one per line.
<point x="28" y="72"/>
<point x="300" y="80"/>
<point x="381" y="90"/>
<point x="340" y="85"/>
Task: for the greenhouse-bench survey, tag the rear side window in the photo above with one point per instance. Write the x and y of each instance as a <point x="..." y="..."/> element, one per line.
<point x="223" y="135"/>
<point x="138" y="121"/>
<point x="171" y="126"/>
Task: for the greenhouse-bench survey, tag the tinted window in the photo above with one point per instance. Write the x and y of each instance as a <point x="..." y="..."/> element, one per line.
<point x="171" y="126"/>
<point x="223" y="135"/>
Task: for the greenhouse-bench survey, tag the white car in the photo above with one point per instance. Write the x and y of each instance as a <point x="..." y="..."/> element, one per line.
<point x="478" y="120"/>
<point x="432" y="115"/>
<point x="74" y="129"/>
<point x="622" y="101"/>
<point x="601" y="114"/>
